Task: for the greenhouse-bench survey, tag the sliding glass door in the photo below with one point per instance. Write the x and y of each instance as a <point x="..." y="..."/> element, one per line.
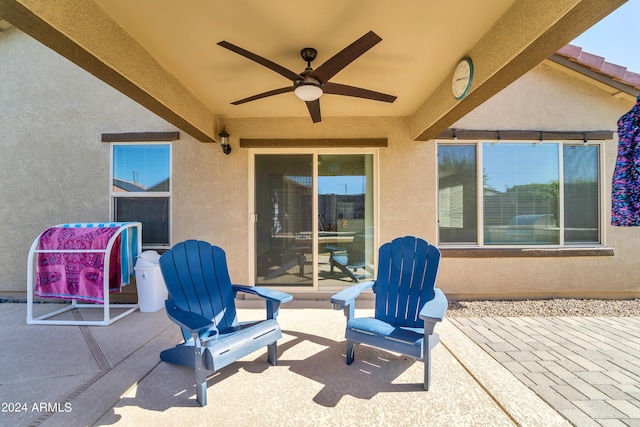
<point x="313" y="219"/>
<point x="284" y="227"/>
<point x="345" y="218"/>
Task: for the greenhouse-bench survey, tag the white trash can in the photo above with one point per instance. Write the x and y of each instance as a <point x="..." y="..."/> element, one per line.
<point x="151" y="289"/>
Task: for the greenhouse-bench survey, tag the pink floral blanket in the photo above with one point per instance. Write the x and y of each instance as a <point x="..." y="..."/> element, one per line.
<point x="77" y="275"/>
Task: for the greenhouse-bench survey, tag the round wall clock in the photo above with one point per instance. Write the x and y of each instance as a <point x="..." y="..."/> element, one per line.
<point x="462" y="78"/>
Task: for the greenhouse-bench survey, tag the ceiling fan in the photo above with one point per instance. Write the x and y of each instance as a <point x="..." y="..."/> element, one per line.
<point x="310" y="84"/>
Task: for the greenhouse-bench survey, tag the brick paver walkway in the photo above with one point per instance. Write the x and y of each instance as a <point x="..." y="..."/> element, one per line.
<point x="587" y="368"/>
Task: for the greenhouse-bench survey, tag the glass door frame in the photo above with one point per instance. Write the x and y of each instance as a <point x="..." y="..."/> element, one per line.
<point x="252" y="215"/>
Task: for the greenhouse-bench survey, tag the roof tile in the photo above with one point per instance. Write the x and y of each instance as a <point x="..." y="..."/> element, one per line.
<point x="570" y="51"/>
<point x="632" y="78"/>
<point x="613" y="70"/>
<point x="599" y="65"/>
<point x="591" y="60"/>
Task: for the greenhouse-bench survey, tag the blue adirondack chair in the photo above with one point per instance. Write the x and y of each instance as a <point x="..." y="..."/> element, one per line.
<point x="407" y="303"/>
<point x="352" y="261"/>
<point x="202" y="303"/>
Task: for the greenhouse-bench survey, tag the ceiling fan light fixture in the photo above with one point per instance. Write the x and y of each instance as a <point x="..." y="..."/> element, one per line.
<point x="308" y="91"/>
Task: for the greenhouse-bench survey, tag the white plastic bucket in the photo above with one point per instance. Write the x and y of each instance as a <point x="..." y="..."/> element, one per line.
<point x="152" y="291"/>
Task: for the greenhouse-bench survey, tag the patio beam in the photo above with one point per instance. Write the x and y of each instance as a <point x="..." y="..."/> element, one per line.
<point x="527" y="34"/>
<point x="84" y="34"/>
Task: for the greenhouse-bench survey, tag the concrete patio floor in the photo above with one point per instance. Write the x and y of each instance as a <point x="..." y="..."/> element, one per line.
<point x="104" y="375"/>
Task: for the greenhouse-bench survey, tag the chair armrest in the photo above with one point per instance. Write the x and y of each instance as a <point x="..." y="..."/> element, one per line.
<point x="348" y="295"/>
<point x="192" y="322"/>
<point x="268" y="294"/>
<point x="333" y="249"/>
<point x="435" y="309"/>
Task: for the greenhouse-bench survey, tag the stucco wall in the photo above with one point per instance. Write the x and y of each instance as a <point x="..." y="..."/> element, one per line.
<point x="54" y="169"/>
<point x="210" y="200"/>
<point x="53" y="166"/>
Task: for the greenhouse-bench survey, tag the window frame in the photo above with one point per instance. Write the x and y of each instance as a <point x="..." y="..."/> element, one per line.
<point x="479" y="165"/>
<point x="113" y="195"/>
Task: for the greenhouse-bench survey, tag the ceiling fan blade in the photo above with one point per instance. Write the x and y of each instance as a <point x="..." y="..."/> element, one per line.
<point x="264" y="95"/>
<point x="345" y="57"/>
<point x="262" y="61"/>
<point x="338" y="89"/>
<point x="314" y="110"/>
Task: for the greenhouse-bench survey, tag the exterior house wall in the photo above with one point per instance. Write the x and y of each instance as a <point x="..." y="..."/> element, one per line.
<point x="549" y="99"/>
<point x="53" y="166"/>
<point x="54" y="169"/>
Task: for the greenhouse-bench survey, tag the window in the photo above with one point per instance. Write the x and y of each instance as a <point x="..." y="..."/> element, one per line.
<point x="141" y="189"/>
<point x="531" y="194"/>
<point x="457" y="194"/>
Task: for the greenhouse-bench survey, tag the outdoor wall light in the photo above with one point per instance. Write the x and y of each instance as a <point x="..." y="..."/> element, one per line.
<point x="224" y="141"/>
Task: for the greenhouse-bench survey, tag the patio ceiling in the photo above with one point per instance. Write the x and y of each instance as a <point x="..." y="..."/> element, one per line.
<point x="164" y="53"/>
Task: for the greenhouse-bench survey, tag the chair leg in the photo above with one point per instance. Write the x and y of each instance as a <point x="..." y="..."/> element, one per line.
<point x="351" y="348"/>
<point x="427" y="362"/>
<point x="201" y="378"/>
<point x="272" y="353"/>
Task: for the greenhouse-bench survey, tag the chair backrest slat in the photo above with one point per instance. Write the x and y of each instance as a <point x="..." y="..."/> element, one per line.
<point x="197" y="278"/>
<point x="414" y="292"/>
<point x="407" y="272"/>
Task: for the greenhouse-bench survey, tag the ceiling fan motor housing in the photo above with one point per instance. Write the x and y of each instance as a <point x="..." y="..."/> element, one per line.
<point x="308" y="54"/>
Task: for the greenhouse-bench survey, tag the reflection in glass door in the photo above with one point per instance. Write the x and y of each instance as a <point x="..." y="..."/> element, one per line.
<point x="345" y="218"/>
<point x="284" y="228"/>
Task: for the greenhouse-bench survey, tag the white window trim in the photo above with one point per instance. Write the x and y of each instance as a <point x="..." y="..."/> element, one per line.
<point x="168" y="194"/>
<point x="602" y="215"/>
